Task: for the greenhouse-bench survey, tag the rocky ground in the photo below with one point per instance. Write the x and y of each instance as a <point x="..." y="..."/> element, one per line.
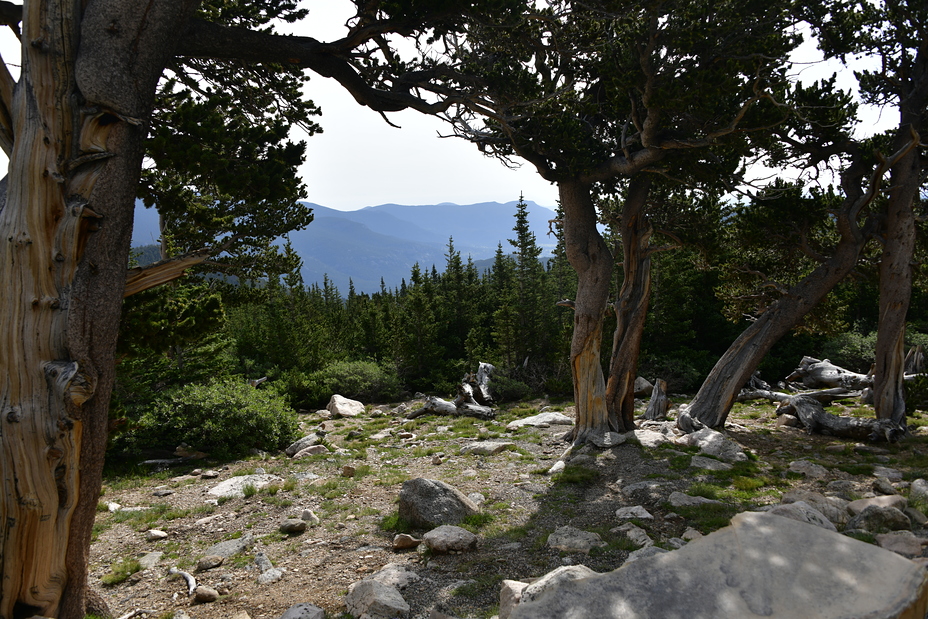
<point x="352" y="489"/>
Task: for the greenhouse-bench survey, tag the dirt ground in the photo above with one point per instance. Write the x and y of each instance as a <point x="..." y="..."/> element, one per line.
<point x="522" y="505"/>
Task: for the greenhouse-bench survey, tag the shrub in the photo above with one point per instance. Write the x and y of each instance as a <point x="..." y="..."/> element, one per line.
<point x="916" y="394"/>
<point x="225" y="418"/>
<point x="852" y="351"/>
<point x="358" y="380"/>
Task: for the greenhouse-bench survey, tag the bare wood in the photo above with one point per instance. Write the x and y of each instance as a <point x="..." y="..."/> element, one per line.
<point x="191" y="581"/>
<point x="659" y="403"/>
<point x="140" y="279"/>
<point x="814" y="418"/>
<point x="7" y="84"/>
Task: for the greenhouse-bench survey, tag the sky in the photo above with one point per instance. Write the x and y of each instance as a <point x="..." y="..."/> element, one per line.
<point x="359" y="160"/>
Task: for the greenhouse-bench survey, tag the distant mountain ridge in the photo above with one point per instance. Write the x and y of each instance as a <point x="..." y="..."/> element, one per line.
<point x="385" y="241"/>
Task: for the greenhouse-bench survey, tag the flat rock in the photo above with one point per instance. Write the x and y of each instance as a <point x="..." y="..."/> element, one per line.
<point x="375" y="600"/>
<point x="209" y="562"/>
<point x="487" y="448"/>
<point x="833" y="508"/>
<point x="678" y="499"/>
<point x="635" y="534"/>
<point x="153" y="535"/>
<point x="645" y="491"/>
<point x="429" y="503"/>
<point x="312" y="450"/>
<point x="803" y="512"/>
<point x="230" y="547"/>
<point x="569" y="539"/>
<point x="710" y="464"/>
<point x="759" y="566"/>
<point x="303" y="611"/>
<point x="633" y="512"/>
<point x="447" y="538"/>
<point x="808" y="469"/>
<point x="904" y="543"/>
<point x="235" y="486"/>
<point x="402" y="541"/>
<point x="341" y="406"/>
<point x="510" y="594"/>
<point x="888" y="473"/>
<point x="892" y="500"/>
<point x="714" y="443"/>
<point x="205" y="595"/>
<point x="271" y="576"/>
<point x="541" y="420"/>
<point x="150" y="560"/>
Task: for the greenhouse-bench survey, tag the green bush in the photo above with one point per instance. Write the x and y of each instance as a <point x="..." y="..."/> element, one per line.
<point x="852" y="351"/>
<point x="358" y="380"/>
<point x="916" y="394"/>
<point x="225" y="418"/>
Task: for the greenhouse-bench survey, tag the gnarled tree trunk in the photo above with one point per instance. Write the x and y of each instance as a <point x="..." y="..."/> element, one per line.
<point x="590" y="257"/>
<point x="631" y="310"/>
<point x="77" y="124"/>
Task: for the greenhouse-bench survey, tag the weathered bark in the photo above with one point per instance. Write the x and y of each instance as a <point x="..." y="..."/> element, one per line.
<point x="815" y="420"/>
<point x="720" y="389"/>
<point x="896" y="264"/>
<point x="590" y="258"/>
<point x="915" y="360"/>
<point x="657" y="407"/>
<point x="631" y="308"/>
<point x="815" y="373"/>
<point x="67" y="221"/>
<point x="473" y="399"/>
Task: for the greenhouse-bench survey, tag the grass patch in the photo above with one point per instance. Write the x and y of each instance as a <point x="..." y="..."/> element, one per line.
<point x="395" y="523"/>
<point x="475" y="522"/>
<point x="709" y="517"/>
<point x="121" y="571"/>
<point x="855" y="468"/>
<point x="249" y="490"/>
<point x="576" y="475"/>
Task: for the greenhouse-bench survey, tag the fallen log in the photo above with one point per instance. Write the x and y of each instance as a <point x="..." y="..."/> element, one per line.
<point x="473" y="399"/>
<point x="817" y="373"/>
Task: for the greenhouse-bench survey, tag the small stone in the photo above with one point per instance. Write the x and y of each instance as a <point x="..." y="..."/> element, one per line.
<point x="150" y="560"/>
<point x="209" y="474"/>
<point x="882" y="486"/>
<point x="293" y="526"/>
<point x="633" y="512"/>
<point x="569" y="539"/>
<point x="888" y="473"/>
<point x="375" y="600"/>
<point x="205" y="595"/>
<point x="303" y="611"/>
<point x="487" y="448"/>
<point x="876" y="519"/>
<point x="902" y="542"/>
<point x="635" y="534"/>
<point x="436" y="459"/>
<point x="702" y="462"/>
<point x="153" y="535"/>
<point x="241" y="615"/>
<point x="162" y="492"/>
<point x="809" y="469"/>
<point x="448" y="538"/>
<point x="348" y="471"/>
<point x="690" y="534"/>
<point x="209" y="562"/>
<point x="270" y="576"/>
<point x="678" y="499"/>
<point x="310" y="517"/>
<point x="402" y="541"/>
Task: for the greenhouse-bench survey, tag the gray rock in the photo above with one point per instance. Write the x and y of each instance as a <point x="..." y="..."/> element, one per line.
<point x="803" y="512"/>
<point x="447" y="538"/>
<point x="895" y="500"/>
<point x="552" y="580"/>
<point x="557" y="467"/>
<point x="477" y="498"/>
<point x="510" y="594"/>
<point x="761" y="565"/>
<point x="678" y="499"/>
<point x="375" y="600"/>
<point x="307" y="441"/>
<point x="312" y="450"/>
<point x="808" y="469"/>
<point x="263" y="562"/>
<point x="710" y="464"/>
<point x="230" y="547"/>
<point x="904" y="543"/>
<point x="714" y="443"/>
<point x="643" y="388"/>
<point x="150" y="560"/>
<point x="209" y="474"/>
<point x="429" y="503"/>
<point x="834" y="508"/>
<point x="635" y="534"/>
<point x="918" y="518"/>
<point x="649" y="439"/>
<point x="881" y="485"/>
<point x="876" y="519"/>
<point x="487" y="448"/>
<point x="293" y="526"/>
<point x="633" y="512"/>
<point x="789" y="421"/>
<point x="303" y="611"/>
<point x="271" y="576"/>
<point x="843" y="488"/>
<point x="645" y="491"/>
<point x="888" y="473"/>
<point x="235" y="486"/>
<point x="162" y="492"/>
<point x="209" y="562"/>
<point x="205" y="595"/>
<point x="569" y="539"/>
<point x="341" y="406"/>
<point x="394" y="575"/>
<point x="310" y="517"/>
<point x="153" y="535"/>
<point x="541" y="420"/>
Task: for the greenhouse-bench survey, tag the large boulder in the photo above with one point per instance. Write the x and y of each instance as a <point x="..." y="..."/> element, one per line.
<point x="429" y="503"/>
<point x="759" y="566"/>
<point x="449" y="538"/>
<point x="375" y="600"/>
<point x="340" y="406"/>
<point x="714" y="443"/>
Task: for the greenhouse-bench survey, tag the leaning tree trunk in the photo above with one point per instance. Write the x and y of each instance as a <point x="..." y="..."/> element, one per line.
<point x="590" y="257"/>
<point x="720" y="389"/>
<point x="76" y="125"/>
<point x="631" y="310"/>
<point x="896" y="276"/>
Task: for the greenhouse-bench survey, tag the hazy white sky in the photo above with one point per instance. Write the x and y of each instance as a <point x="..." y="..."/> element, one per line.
<point x="359" y="160"/>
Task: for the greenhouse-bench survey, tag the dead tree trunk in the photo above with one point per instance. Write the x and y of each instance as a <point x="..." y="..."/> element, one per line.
<point x="915" y="360"/>
<point x="815" y="373"/>
<point x="473" y="399"/>
<point x="659" y="403"/>
<point x="631" y="308"/>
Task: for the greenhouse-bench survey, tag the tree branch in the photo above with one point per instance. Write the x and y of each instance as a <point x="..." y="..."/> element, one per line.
<point x="140" y="279"/>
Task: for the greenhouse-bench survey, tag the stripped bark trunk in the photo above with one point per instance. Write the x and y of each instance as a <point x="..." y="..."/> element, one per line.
<point x="896" y="267"/>
<point x="77" y="119"/>
<point x="659" y="403"/>
<point x="816" y="373"/>
<point x="590" y="258"/>
<point x="720" y="389"/>
<point x="631" y="308"/>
